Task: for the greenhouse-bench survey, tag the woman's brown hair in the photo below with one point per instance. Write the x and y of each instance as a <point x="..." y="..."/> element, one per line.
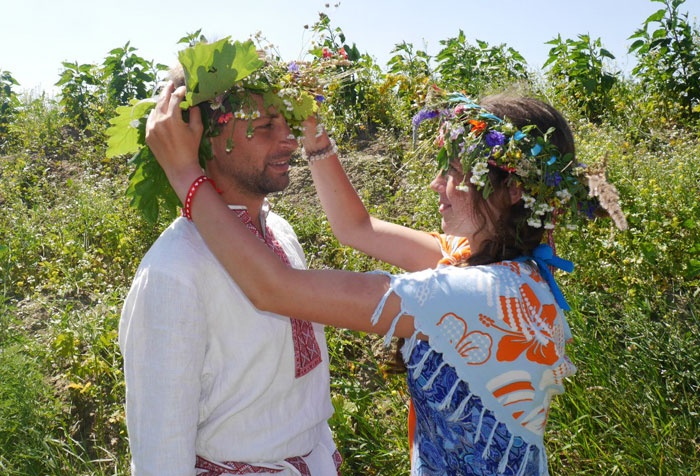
<point x="513" y="236"/>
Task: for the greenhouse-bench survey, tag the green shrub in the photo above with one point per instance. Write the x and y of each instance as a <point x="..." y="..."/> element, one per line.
<point x="129" y="75"/>
<point x="8" y="103"/>
<point x="474" y="69"/>
<point x="84" y="98"/>
<point x="356" y="108"/>
<point x="577" y="69"/>
<point x="669" y="60"/>
<point x="27" y="411"/>
<point x="409" y="76"/>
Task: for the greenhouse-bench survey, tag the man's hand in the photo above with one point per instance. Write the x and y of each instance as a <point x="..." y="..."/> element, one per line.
<point x="174" y="142"/>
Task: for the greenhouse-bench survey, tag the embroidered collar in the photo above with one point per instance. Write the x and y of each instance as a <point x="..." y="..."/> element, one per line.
<point x="265" y="209"/>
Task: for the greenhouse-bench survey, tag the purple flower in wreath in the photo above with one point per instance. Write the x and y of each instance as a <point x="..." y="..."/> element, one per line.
<point x="587" y="208"/>
<point x="422" y="116"/>
<point x="293" y="67"/>
<point x="552" y="180"/>
<point x="319" y="98"/>
<point x="494" y="138"/>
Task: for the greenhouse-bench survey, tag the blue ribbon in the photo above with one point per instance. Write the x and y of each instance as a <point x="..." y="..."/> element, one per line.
<point x="457" y="97"/>
<point x="543" y="255"/>
<point x="490" y="116"/>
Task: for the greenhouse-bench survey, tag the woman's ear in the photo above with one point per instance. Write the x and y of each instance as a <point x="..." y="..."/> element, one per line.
<point x="515" y="193"/>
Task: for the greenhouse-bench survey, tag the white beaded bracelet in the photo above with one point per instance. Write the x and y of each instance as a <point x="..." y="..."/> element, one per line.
<point x="319" y="130"/>
<point x="330" y="149"/>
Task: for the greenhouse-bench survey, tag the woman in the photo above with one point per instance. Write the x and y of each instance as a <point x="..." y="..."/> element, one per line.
<point x="485" y="348"/>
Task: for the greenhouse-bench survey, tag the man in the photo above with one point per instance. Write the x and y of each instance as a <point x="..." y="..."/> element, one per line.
<point x="215" y="386"/>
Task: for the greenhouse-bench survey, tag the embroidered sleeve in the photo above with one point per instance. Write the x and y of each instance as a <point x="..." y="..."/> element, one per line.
<point x="455" y="249"/>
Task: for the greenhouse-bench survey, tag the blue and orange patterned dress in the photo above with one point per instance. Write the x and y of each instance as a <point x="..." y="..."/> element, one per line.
<point x="482" y="383"/>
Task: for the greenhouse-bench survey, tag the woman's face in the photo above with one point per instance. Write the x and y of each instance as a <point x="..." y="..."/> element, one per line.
<point x="455" y="205"/>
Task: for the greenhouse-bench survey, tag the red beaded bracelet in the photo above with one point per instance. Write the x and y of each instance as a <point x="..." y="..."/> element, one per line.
<point x="187" y="208"/>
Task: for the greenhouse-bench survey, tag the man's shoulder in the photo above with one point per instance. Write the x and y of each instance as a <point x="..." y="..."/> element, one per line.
<point x="180" y="245"/>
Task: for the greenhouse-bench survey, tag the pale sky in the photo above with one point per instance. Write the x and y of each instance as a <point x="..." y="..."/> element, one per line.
<point x="37" y="35"/>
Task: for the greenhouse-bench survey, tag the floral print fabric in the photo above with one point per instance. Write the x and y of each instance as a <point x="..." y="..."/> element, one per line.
<point x="483" y="382"/>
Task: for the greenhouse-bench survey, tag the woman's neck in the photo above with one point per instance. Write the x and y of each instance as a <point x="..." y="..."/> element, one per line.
<point x="477" y="240"/>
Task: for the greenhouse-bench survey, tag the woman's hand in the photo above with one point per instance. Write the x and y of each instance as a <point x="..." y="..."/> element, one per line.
<point x="174" y="142"/>
<point x="312" y="141"/>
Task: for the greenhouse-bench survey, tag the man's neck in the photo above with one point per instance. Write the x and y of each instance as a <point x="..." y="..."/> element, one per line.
<point x="252" y="203"/>
<point x="234" y="194"/>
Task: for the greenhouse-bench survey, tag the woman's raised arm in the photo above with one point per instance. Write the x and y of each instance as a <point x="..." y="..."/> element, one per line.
<point x="398" y="245"/>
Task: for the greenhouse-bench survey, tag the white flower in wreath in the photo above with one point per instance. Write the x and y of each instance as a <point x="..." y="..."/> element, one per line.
<point x="563" y="195"/>
<point x="534" y="222"/>
<point x="543" y="208"/>
<point x="477" y="180"/>
<point x="480" y="168"/>
<point x="528" y="201"/>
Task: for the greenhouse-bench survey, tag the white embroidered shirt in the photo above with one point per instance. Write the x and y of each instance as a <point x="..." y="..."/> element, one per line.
<point x="207" y="373"/>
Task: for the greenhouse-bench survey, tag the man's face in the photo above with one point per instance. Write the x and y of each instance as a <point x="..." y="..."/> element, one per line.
<point x="258" y="165"/>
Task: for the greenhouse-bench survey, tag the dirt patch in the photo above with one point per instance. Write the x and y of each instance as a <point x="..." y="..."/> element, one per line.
<point x="371" y="168"/>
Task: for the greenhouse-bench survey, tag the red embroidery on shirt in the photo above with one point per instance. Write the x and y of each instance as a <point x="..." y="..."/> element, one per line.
<point x="338" y="461"/>
<point x="307" y="353"/>
<point x="233" y="467"/>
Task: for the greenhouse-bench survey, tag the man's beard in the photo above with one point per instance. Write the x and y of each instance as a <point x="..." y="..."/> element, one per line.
<point x="258" y="182"/>
<point x="261" y="184"/>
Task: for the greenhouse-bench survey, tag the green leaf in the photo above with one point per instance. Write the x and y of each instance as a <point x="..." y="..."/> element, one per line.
<point x="657" y="16"/>
<point x="442" y="159"/>
<point x="637" y="44"/>
<point x="192" y="38"/>
<point x="693" y="270"/>
<point x="211" y="69"/>
<point x="123" y="137"/>
<point x="302" y="108"/>
<point x="660" y="33"/>
<point x="65" y="77"/>
<point x="690" y="224"/>
<point x="149" y="189"/>
<point x="606" y="53"/>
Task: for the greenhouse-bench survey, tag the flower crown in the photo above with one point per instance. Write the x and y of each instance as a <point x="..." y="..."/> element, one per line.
<point x="224" y="75"/>
<point x="556" y="188"/>
<point x="294" y="88"/>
